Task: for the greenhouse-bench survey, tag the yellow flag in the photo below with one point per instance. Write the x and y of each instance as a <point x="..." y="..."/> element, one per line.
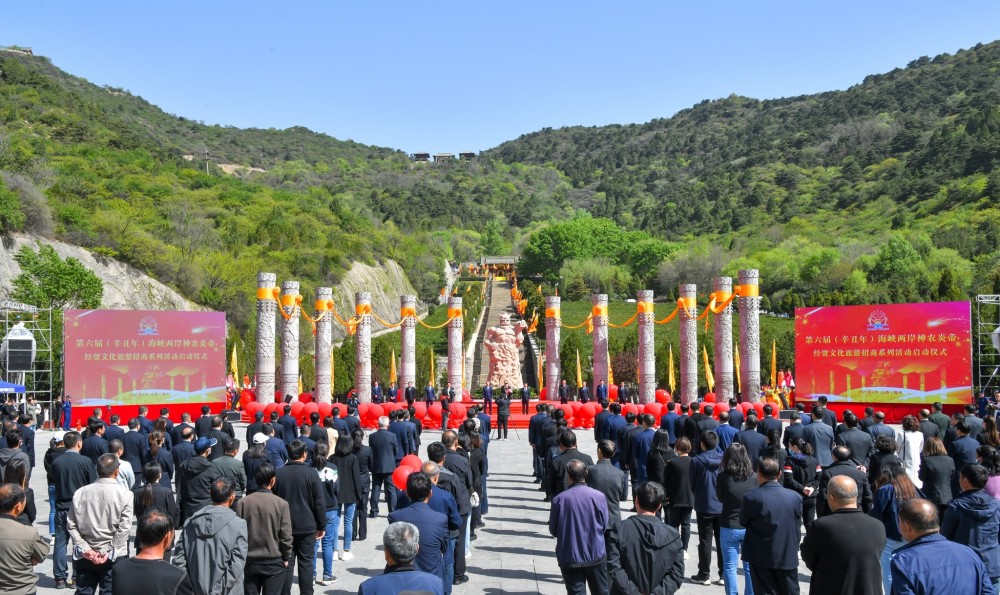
<point x="233" y="367"/>
<point x="392" y="367"/>
<point x="579" y="373"/>
<point x="709" y="377"/>
<point x="671" y="379"/>
<point x="300" y="385"/>
<point x="736" y="370"/>
<point x="611" y="374"/>
<point x="774" y="363"/>
<point x="541" y="373"/>
<point x="432" y="368"/>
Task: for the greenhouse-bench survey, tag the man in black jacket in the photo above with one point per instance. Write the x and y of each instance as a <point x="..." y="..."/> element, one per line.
<point x="203" y="425"/>
<point x="843" y="549"/>
<point x="95" y="445"/>
<point x="772" y="516"/>
<point x="385" y="450"/>
<point x="608" y="480"/>
<point x="300" y="486"/>
<point x="859" y="442"/>
<point x="70" y="472"/>
<point x="194" y="479"/>
<point x="844" y="465"/>
<point x="556" y="472"/>
<point x="289" y="428"/>
<point x="177" y="430"/>
<point x="644" y="554"/>
<point x="254" y="428"/>
<point x="220" y="438"/>
<point x="458" y="463"/>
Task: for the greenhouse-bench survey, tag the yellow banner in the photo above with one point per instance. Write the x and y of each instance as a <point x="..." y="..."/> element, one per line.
<point x="552" y="312"/>
<point x="671" y="379"/>
<point x="268" y="293"/>
<point x="362" y="309"/>
<point x="600" y="311"/>
<point x="709" y="377"/>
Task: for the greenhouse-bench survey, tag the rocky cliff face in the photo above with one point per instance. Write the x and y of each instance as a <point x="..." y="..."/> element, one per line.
<point x="386" y="282"/>
<point x="125" y="288"/>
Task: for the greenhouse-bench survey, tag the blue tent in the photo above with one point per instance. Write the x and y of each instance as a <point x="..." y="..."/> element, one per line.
<point x="8" y="387"/>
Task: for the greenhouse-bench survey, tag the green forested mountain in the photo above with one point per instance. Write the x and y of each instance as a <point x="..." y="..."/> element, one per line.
<point x="886" y="191"/>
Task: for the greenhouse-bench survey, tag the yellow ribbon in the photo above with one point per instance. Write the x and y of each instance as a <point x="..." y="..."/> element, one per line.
<point x="362" y="309"/>
<point x="552" y="312"/>
<point x="267" y="293"/>
<point x="688" y="304"/>
<point x="453" y="313"/>
<point x="746" y="290"/>
<point x="600" y="311"/>
<point x="406" y="312"/>
<point x="289" y="301"/>
<point x="587" y="321"/>
<point x="644" y="307"/>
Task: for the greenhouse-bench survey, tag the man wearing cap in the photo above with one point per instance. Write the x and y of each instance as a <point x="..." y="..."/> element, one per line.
<point x="99" y="522"/>
<point x="195" y="477"/>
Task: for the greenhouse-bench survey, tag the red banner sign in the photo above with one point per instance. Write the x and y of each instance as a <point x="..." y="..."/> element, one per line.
<point x="141" y="357"/>
<point x="894" y="354"/>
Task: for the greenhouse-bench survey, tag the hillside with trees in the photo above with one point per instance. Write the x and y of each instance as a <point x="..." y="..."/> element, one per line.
<point x="887" y="191"/>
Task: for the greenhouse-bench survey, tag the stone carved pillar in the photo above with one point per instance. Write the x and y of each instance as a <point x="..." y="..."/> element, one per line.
<point x="267" y="311"/>
<point x="723" y="288"/>
<point x="749" y="306"/>
<point x="324" y="345"/>
<point x="291" y="301"/>
<point x="455" y="355"/>
<point x="553" y="367"/>
<point x="363" y="346"/>
<point x="689" y="343"/>
<point x="600" y="363"/>
<point x="408" y="342"/>
<point x="647" y="347"/>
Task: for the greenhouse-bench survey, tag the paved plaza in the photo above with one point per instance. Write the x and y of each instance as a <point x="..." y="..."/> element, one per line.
<point x="513" y="555"/>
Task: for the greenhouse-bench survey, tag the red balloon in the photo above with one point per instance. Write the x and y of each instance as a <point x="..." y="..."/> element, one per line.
<point x="466" y="395"/>
<point x="399" y="476"/>
<point x="420" y="409"/>
<point x="719" y="408"/>
<point x="588" y="411"/>
<point x="310" y="408"/>
<point x="654" y="409"/>
<point x="434" y="411"/>
<point x="278" y="397"/>
<point x="576" y="406"/>
<point x="710" y="397"/>
<point x="628" y="408"/>
<point x="745" y="406"/>
<point x="413" y="462"/>
<point x="269" y="408"/>
<point x="613" y="392"/>
<point x="297" y="407"/>
<point x="662" y="396"/>
<point x="542" y="393"/>
<point x="568" y="410"/>
<point x="759" y="408"/>
<point x="457" y="412"/>
<point x="306" y="397"/>
<point x="325" y="409"/>
<point x="375" y="411"/>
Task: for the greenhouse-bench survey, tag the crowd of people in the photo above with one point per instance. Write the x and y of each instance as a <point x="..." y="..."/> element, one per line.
<point x="166" y="507"/>
<point x="866" y="508"/>
<point x="207" y="522"/>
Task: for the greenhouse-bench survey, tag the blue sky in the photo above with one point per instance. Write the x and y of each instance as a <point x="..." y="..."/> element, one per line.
<point x="455" y="76"/>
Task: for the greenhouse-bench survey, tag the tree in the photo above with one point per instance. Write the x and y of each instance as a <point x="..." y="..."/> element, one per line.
<point x="48" y="281"/>
<point x="492" y="242"/>
<point x="11" y="215"/>
<point x="947" y="290"/>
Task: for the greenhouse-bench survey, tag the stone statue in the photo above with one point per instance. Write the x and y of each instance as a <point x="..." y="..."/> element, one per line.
<point x="503" y="342"/>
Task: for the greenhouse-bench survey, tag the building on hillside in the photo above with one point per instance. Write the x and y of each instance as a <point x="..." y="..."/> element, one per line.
<point x="421" y="157"/>
<point x="467" y="156"/>
<point x="502" y="260"/>
<point x="443" y="157"/>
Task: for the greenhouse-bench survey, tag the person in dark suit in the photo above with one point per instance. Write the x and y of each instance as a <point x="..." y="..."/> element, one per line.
<point x="488" y="398"/>
<point x="962" y="450"/>
<point x="175" y="432"/>
<point x="275" y="448"/>
<point x="135" y="444"/>
<point x="432" y="525"/>
<point x="844" y="466"/>
<point x="385" y="446"/>
<point x="736" y="417"/>
<point x="769" y="422"/>
<point x="402" y="433"/>
<point x="601" y="392"/>
<point x="584" y="395"/>
<point x="289" y="428"/>
<point x="252" y="429"/>
<point x="220" y="437"/>
<point x="410" y="394"/>
<point x="795" y="428"/>
<point x="563" y="392"/>
<point x="679" y="493"/>
<point x="861" y="443"/>
<point x="608" y="480"/>
<point x="203" y="425"/>
<point x="928" y="428"/>
<point x="936" y="472"/>
<point x="829" y="417"/>
<point x="112" y="431"/>
<point x="751" y="439"/>
<point x="843" y="549"/>
<point x="525" y="398"/>
<point x="556" y="472"/>
<point x="145" y="424"/>
<point x="95" y="445"/>
<point x="820" y="438"/>
<point x="772" y="516"/>
<point x="26" y="428"/>
<point x="667" y="421"/>
<point x="430" y="393"/>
